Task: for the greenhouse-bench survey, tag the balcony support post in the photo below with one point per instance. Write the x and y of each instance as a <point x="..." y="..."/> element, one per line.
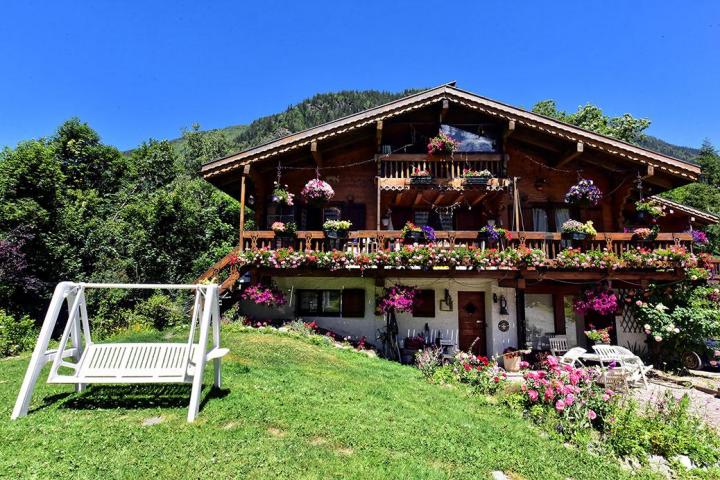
<point x="246" y="171"/>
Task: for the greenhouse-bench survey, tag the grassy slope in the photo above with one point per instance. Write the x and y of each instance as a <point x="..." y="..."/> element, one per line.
<point x="291" y="410"/>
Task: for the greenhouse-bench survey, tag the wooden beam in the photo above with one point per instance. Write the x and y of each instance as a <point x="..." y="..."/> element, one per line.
<point x="378" y="134"/>
<point x="508" y="131"/>
<point x="445" y="108"/>
<point x="246" y="171"/>
<point x="315" y="151"/>
<point x="571" y="155"/>
<point x="649" y="172"/>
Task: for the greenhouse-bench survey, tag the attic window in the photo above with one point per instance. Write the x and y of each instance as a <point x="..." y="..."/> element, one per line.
<point x="483" y="139"/>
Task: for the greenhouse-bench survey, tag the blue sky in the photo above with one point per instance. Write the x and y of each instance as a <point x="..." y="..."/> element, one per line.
<point x="142" y="70"/>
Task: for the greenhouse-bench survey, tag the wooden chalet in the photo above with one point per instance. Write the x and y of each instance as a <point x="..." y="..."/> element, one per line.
<point x="369" y="157"/>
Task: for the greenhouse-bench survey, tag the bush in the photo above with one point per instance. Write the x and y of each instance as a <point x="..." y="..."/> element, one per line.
<point x="666" y="428"/>
<point x="302" y="328"/>
<point x="482" y="374"/>
<point x="160" y="311"/>
<point x="428" y="360"/>
<point x="15" y="335"/>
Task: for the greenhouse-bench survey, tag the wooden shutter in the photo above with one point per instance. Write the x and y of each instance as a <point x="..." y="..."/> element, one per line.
<point x="424" y="304"/>
<point x="353" y="302"/>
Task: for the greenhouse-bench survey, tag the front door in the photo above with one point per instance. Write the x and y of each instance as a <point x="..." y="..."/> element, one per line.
<point x="471" y="321"/>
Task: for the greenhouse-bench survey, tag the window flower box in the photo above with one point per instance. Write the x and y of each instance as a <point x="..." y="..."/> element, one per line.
<point x="474" y="177"/>
<point x="577" y="231"/>
<point x="336" y="234"/>
<point x="284" y="234"/>
<point x="416" y="234"/>
<point x="421" y="176"/>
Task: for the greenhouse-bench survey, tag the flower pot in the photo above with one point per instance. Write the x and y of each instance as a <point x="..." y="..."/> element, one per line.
<point x="512" y="363"/>
<point x="473" y="180"/>
<point x="489" y="240"/>
<point x="575" y="236"/>
<point x="416" y="237"/>
<point x="421" y="180"/>
<point x="335" y="239"/>
<point x="336" y="234"/>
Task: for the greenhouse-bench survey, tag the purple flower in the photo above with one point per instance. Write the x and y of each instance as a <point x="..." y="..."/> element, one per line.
<point x="700" y="237"/>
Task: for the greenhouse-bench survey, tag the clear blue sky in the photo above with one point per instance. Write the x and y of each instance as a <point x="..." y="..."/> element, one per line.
<point x="147" y="69"/>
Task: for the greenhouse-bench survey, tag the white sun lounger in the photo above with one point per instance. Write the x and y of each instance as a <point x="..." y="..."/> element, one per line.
<point x="79" y="361"/>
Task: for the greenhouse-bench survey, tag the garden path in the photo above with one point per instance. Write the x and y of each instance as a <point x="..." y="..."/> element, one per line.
<point x="703" y="404"/>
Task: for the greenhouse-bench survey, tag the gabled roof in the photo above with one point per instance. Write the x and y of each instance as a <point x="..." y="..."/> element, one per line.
<point x="708" y="217"/>
<point x="453" y="94"/>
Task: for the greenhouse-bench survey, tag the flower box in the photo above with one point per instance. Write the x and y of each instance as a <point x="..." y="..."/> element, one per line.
<point x="416" y="237"/>
<point x="575" y="236"/>
<point x="421" y="180"/>
<point x="284" y="240"/>
<point x="476" y="180"/>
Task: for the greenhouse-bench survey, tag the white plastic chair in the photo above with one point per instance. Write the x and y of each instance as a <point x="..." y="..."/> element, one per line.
<point x="123" y="363"/>
<point x="632" y="362"/>
<point x="626" y="363"/>
<point x="573" y="356"/>
<point x="558" y="345"/>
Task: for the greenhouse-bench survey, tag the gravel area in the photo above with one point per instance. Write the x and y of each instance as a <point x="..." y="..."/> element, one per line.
<point x="703" y="404"/>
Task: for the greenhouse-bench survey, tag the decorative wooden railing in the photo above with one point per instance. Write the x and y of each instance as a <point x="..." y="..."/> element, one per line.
<point x="401" y="165"/>
<point x="367" y="241"/>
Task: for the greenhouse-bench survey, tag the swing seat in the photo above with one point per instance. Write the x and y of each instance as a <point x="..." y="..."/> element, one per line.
<point x="135" y="363"/>
<point x="80" y="361"/>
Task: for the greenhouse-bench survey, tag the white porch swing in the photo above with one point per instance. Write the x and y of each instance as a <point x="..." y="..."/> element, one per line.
<point x="124" y="363"/>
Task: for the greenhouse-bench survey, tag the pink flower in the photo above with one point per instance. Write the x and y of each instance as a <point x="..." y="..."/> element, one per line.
<point x="569" y="399"/>
<point x="606" y="397"/>
<point x="524" y="364"/>
<point x="549" y="394"/>
<point x="533" y="395"/>
<point x="559" y="405"/>
<point x="591" y="414"/>
<point x="552" y="361"/>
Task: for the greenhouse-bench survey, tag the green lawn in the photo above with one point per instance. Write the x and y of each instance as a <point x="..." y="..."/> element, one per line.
<point x="290" y="409"/>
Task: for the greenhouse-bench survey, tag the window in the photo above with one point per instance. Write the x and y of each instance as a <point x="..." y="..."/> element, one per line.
<point x="424" y="304"/>
<point x="539" y="220"/>
<point x="562" y="215"/>
<point x="485" y="140"/>
<point x="280" y="213"/>
<point x="331" y="303"/>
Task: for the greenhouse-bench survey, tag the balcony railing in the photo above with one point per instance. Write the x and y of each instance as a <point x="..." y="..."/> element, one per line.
<point x="446" y="167"/>
<point x="368" y="241"/>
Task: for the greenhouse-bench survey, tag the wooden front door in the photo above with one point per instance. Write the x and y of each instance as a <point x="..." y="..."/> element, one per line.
<point x="471" y="321"/>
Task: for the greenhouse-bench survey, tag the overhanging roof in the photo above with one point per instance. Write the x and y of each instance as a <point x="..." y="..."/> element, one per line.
<point x="453" y="94"/>
<point x="708" y="217"/>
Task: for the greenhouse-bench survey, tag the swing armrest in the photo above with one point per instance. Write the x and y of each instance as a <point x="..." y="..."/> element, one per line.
<point x="216" y="353"/>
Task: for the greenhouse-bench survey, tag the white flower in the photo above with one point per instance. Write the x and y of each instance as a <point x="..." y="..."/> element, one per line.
<point x="658" y="338"/>
<point x="660" y="307"/>
<point x="646" y="326"/>
<point x="676" y="330"/>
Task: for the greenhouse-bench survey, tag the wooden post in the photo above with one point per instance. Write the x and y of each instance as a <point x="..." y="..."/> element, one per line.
<point x="377" y="220"/>
<point x="246" y="170"/>
<point x="520" y="315"/>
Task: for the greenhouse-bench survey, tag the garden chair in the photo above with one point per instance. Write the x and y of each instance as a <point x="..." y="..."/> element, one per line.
<point x="79" y="361"/>
<point x="572" y="357"/>
<point x="632" y="362"/>
<point x="558" y="345"/>
<point x="621" y="362"/>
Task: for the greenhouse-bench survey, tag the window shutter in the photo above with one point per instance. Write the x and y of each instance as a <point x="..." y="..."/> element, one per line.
<point x="353" y="303"/>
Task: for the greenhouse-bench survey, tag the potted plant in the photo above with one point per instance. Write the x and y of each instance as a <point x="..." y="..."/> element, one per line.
<point x="267" y="296"/>
<point x="420" y="176"/>
<point x="584" y="194"/>
<point x="492" y="234"/>
<point x="336" y="232"/>
<point x="317" y="192"/>
<point x="649" y="211"/>
<point x="441" y="144"/>
<point x="512" y="359"/>
<point x="644" y="235"/>
<point x="600" y="336"/>
<point x="282" y="196"/>
<point x="284" y="234"/>
<point x="416" y="234"/>
<point x="577" y="231"/>
<point x="700" y="239"/>
<point x="476" y="177"/>
<point x="602" y="301"/>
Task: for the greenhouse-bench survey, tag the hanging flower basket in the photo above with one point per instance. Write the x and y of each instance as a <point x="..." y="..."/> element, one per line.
<point x="266" y="296"/>
<point x="282" y="196"/>
<point x="442" y="144"/>
<point x="601" y="300"/>
<point x="398" y="299"/>
<point x="584" y="194"/>
<point x="317" y="192"/>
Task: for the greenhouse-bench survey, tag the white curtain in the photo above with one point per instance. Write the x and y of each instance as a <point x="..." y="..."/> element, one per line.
<point x="562" y="215"/>
<point x="540" y="220"/>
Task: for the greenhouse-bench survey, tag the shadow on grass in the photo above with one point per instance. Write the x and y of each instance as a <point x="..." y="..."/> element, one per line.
<point x="138" y="396"/>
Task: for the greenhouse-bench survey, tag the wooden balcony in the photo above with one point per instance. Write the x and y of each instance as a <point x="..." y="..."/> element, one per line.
<point x="401" y="166"/>
<point x="368" y="241"/>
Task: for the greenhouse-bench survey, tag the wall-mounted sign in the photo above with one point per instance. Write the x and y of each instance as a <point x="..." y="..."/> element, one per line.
<point x="503" y="325"/>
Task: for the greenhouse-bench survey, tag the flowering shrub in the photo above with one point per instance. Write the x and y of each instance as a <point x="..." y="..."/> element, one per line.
<point x="337" y="225"/>
<point x="442" y="143"/>
<point x="584" y="192"/>
<point x="602" y="301"/>
<point x="284" y="228"/>
<point x="573" y="226"/>
<point x="480" y="373"/>
<point x="496" y="233"/>
<point x="281" y="196"/>
<point x="428" y="360"/>
<point x="398" y="298"/>
<point x="267" y="296"/>
<point x="600" y="335"/>
<point x="477" y="173"/>
<point x="317" y="191"/>
<point x="568" y="397"/>
<point x="651" y="207"/>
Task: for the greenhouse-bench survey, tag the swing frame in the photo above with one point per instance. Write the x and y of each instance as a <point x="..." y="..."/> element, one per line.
<point x="124" y="363"/>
